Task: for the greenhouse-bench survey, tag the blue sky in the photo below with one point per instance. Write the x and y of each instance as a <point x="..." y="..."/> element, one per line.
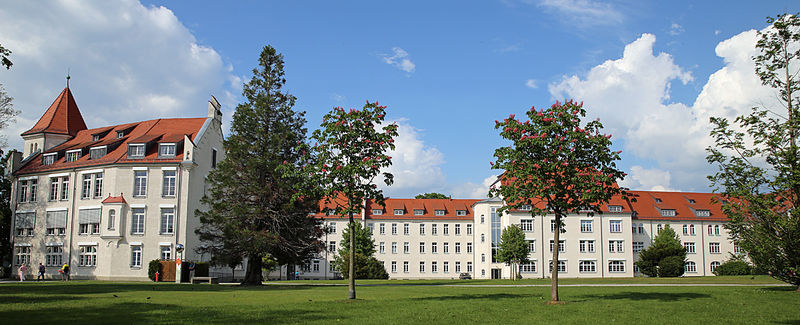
<point x="653" y="70"/>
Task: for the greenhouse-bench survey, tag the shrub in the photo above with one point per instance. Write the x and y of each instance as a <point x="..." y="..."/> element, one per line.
<point x="671" y="266"/>
<point x="201" y="269"/>
<point x="153" y="267"/>
<point x="734" y="267"/>
<point x="366" y="267"/>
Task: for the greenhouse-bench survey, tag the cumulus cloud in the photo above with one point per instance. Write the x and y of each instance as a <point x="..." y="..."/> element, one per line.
<point x="471" y="190"/>
<point x="400" y="60"/>
<point x="632" y="95"/>
<point x="128" y="62"/>
<point x="584" y="13"/>
<point x="653" y="179"/>
<point x="531" y="83"/>
<point x="416" y="166"/>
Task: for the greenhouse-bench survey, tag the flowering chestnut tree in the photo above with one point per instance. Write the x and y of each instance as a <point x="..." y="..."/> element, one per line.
<point x="556" y="164"/>
<point x="350" y="151"/>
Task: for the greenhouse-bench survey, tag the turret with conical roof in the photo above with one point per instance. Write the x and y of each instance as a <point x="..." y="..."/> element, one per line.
<point x="60" y="122"/>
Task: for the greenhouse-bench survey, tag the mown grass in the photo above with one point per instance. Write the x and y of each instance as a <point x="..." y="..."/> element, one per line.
<point x="749" y="279"/>
<point x="91" y="302"/>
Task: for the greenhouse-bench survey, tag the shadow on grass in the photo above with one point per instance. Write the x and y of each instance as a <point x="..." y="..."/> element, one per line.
<point x="780" y="289"/>
<point x="655" y="296"/>
<point x="93" y="287"/>
<point x="29" y="299"/>
<point x="480" y="297"/>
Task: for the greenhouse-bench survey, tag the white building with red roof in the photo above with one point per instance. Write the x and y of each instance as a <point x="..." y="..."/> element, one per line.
<point x="108" y="200"/>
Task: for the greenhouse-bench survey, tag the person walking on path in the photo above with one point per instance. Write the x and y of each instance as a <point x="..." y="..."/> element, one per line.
<point x="22" y="270"/>
<point x="42" y="269"/>
<point x="65" y="272"/>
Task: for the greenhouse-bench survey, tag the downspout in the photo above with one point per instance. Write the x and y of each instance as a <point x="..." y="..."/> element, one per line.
<point x="703" y="247"/>
<point x="72" y="218"/>
<point x="179" y="176"/>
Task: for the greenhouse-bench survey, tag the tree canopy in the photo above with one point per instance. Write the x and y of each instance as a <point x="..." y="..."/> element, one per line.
<point x="365" y="264"/>
<point x="665" y="258"/>
<point x="253" y="210"/>
<point x="432" y="195"/>
<point x="513" y="249"/>
<point x="759" y="162"/>
<point x="555" y="163"/>
<point x="4" y="60"/>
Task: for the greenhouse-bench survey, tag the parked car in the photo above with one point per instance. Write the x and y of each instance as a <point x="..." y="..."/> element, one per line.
<point x="465" y="276"/>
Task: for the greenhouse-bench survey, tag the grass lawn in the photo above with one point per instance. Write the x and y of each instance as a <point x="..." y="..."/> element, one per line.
<point x="93" y="302"/>
<point x="755" y="279"/>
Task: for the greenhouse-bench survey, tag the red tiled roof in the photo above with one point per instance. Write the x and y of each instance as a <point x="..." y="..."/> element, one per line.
<point x="152" y="129"/>
<point x="62" y="117"/>
<point x="685" y="205"/>
<point x="115" y="199"/>
<point x="430" y="205"/>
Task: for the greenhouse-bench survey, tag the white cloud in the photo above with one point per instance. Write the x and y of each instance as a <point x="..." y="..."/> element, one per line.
<point x="584" y="13"/>
<point x="338" y="98"/>
<point x="653" y="179"/>
<point x="632" y="95"/>
<point x="717" y="31"/>
<point x="531" y="83"/>
<point x="400" y="60"/>
<point x="675" y="29"/>
<point x="471" y="190"/>
<point x="415" y="165"/>
<point x="128" y="63"/>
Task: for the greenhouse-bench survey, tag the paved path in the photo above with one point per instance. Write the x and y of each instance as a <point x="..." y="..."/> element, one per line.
<point x="537" y="285"/>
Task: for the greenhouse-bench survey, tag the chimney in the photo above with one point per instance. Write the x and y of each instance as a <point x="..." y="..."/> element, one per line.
<point x="214" y="109"/>
<point x="14" y="162"/>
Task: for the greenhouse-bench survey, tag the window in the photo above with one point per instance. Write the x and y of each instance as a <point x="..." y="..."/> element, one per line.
<point x="446" y="248"/>
<point x="166" y="150"/>
<point x="54" y="181"/>
<point x="406" y="248"/>
<point x="98" y="152"/>
<point x="690" y="267"/>
<point x="562" y="266"/>
<point x="667" y="212"/>
<point x="737" y="249"/>
<point x="394" y="266"/>
<point x="469" y="267"/>
<point x="49" y="159"/>
<point x="23" y="255"/>
<point x="56" y="223"/>
<point x="686" y="230"/>
<point x="382" y="248"/>
<point x="586" y="225"/>
<point x="457" y="229"/>
<point x="86" y="191"/>
<point x="638" y="246"/>
<point x="421" y="267"/>
<point x="136" y="151"/>
<point x="691" y="230"/>
<point x="438" y="213"/>
<point x="481" y="219"/>
<point x="689" y="246"/>
<point x="88" y="221"/>
<point x="434" y="249"/>
<point x="586" y="246"/>
<point x="213" y="158"/>
<point x="532" y="246"/>
<point x="458" y="267"/>
<point x="702" y="213"/>
<point x="167" y="221"/>
<point x="394" y="247"/>
<point x="405" y="266"/>
<point x="34" y="188"/>
<point x="716" y="230"/>
<point x="382" y="229"/>
<point x="659" y="228"/>
<point x="528" y="267"/>
<point x="72" y="155"/>
<point x="166" y="252"/>
<point x="406" y="229"/>
<point x="553" y="226"/>
<point x="469" y="229"/>
<point x="458" y="248"/>
<point x="714" y="266"/>
<point x="483" y="258"/>
<point x="64" y="188"/>
<point x="23" y="191"/>
<point x="422" y="229"/>
<point x="616" y="266"/>
<point x="419" y="212"/>
<point x="371" y="228"/>
<point x="399" y="212"/>
<point x="87" y="255"/>
<point x="137" y="221"/>
<point x="614" y="208"/>
<point x="434" y="267"/>
<point x="710" y="230"/>
<point x="54" y="256"/>
<point x="526" y="207"/>
<point x="136" y="256"/>
<point x="461" y="212"/>
<point x="641" y="228"/>
<point x="469" y="248"/>
<point x="434" y="229"/>
<point x="658" y="200"/>
<point x="587" y="266"/>
<point x="120" y="134"/>
<point x="561" y="246"/>
<point x="615" y="226"/>
<point x="140" y="183"/>
<point x="25" y="223"/>
<point x="526" y="224"/>
<point x="394" y="229"/>
<point x="445" y="229"/>
<point x="98" y="185"/>
<point x="315" y="266"/>
<point x="377" y="212"/>
<point x="332" y="246"/>
<point x="168" y="184"/>
<point x="713" y="248"/>
<point x="483" y="238"/>
<point x="615" y="246"/>
<point x="422" y="247"/>
<point x="332" y="227"/>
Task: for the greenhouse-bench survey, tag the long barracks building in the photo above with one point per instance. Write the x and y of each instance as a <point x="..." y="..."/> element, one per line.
<point x="109" y="199"/>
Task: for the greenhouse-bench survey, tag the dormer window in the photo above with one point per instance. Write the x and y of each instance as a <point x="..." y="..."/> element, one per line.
<point x="73" y="155"/>
<point x="525" y="207"/>
<point x="658" y="200"/>
<point x="136" y="150"/>
<point x="95" y="137"/>
<point x="438" y="213"/>
<point x="692" y="201"/>
<point x="703" y="213"/>
<point x="49" y="159"/>
<point x="419" y="212"/>
<point x="667" y="212"/>
<point x="120" y="134"/>
<point x="166" y="150"/>
<point x="377" y="212"/>
<point x="461" y="212"/>
<point x="614" y="208"/>
<point x="399" y="212"/>
<point x="97" y="152"/>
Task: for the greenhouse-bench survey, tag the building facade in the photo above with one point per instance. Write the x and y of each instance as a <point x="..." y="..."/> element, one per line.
<point x="108" y="200"/>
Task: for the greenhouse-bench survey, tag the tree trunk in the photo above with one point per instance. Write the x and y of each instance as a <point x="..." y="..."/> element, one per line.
<point x="351" y="285"/>
<point x="253" y="275"/>
<point x="554" y="273"/>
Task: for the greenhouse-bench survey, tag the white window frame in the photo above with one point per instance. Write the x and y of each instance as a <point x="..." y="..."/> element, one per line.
<point x="163" y="150"/>
<point x="136" y="150"/>
<point x="72" y="155"/>
<point x="136" y="256"/>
